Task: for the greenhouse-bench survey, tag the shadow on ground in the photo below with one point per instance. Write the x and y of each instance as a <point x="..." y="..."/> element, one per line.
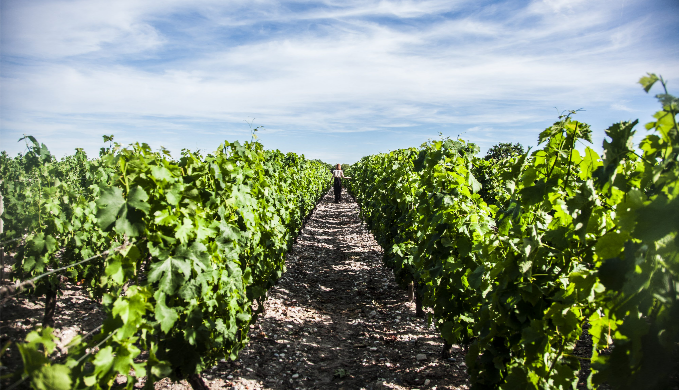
<point x="338" y="320"/>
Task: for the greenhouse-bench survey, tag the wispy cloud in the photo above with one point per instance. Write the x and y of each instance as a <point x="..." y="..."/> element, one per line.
<point x="621" y="107"/>
<point x="142" y="70"/>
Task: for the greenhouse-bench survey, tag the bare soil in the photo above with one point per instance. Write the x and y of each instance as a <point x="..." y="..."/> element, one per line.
<point x="335" y="320"/>
<point x="76" y="314"/>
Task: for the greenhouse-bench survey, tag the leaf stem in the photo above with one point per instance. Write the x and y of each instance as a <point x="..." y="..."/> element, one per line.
<point x="570" y="157"/>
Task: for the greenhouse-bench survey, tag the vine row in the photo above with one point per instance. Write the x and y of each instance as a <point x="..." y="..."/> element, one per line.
<point x="190" y="245"/>
<point x="557" y="238"/>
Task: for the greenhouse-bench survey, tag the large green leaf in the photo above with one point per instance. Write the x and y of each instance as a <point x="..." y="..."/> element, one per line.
<point x="52" y="377"/>
<point x="166" y="316"/>
<point x="170" y="273"/>
<point x="131" y="310"/>
<point x="110" y="204"/>
<point x="126" y="214"/>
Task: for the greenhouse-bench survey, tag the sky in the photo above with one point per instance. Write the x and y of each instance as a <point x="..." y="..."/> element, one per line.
<point x="333" y="80"/>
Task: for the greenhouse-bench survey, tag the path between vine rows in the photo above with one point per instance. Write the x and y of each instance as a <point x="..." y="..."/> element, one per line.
<point x="335" y="320"/>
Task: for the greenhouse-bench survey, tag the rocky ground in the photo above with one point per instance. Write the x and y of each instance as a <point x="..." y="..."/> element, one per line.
<point x="76" y="314"/>
<point x="336" y="320"/>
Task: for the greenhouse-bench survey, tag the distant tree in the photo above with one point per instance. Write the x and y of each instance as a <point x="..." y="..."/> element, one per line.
<point x="504" y="150"/>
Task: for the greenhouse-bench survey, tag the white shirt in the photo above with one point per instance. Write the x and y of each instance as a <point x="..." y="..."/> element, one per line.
<point x="338" y="173"/>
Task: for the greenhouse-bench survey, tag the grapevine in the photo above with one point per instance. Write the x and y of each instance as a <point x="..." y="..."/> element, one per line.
<point x="557" y="238"/>
<point x="201" y="239"/>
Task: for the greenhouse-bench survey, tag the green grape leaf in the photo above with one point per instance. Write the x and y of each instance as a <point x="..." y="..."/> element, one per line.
<point x="613" y="271"/>
<point x="44" y="337"/>
<point x="166" y="316"/>
<point x="648" y="81"/>
<point x="162" y="173"/>
<point x="90" y="381"/>
<point x="130" y="223"/>
<point x="51" y="244"/>
<point x="668" y="101"/>
<point x="618" y="149"/>
<point x="103" y="361"/>
<point x="131" y="309"/>
<point x="170" y="273"/>
<point x="476" y="277"/>
<point x="137" y="199"/>
<point x="174" y="194"/>
<point x="161" y="370"/>
<point x="32" y="358"/>
<point x="36" y="244"/>
<point x="52" y="377"/>
<point x="109" y="204"/>
<point x="589" y="163"/>
<point x="473" y="183"/>
<point x="657" y="219"/>
<point x="533" y="194"/>
<point x="185" y="231"/>
<point x="611" y="244"/>
<point x="447" y="331"/>
<point x="114" y="270"/>
<point x="204" y="230"/>
<point x="127" y="215"/>
<point x="164" y="217"/>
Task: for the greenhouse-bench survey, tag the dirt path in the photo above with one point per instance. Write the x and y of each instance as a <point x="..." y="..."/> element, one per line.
<point x="338" y="320"/>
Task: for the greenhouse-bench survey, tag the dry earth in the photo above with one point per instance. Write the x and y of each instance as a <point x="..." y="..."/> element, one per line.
<point x="335" y="320"/>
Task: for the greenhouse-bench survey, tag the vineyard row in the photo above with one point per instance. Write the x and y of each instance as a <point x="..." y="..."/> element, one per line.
<point x="187" y="246"/>
<point x="516" y="257"/>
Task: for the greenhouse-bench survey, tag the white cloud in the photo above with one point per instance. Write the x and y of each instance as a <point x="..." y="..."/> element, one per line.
<point x="621" y="107"/>
<point x="331" y="67"/>
<point x="54" y="29"/>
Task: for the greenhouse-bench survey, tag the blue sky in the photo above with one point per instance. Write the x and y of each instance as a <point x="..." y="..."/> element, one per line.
<point x="334" y="80"/>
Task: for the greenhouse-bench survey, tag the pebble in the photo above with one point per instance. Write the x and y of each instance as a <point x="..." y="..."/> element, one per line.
<point x="372" y="314"/>
<point x="427" y="382"/>
<point x="421" y="356"/>
<point x="295" y="376"/>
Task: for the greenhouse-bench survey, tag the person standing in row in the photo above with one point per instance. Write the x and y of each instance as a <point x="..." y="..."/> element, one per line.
<point x="337" y="174"/>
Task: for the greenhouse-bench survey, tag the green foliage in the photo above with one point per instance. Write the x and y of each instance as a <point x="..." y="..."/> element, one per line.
<point x="50" y="204"/>
<point x="640" y="263"/>
<point x="558" y="239"/>
<point x="203" y="237"/>
<point x="504" y="150"/>
<point x="35" y="353"/>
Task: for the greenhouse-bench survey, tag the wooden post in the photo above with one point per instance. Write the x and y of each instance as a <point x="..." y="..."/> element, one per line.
<point x="419" y="312"/>
<point x="197" y="382"/>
